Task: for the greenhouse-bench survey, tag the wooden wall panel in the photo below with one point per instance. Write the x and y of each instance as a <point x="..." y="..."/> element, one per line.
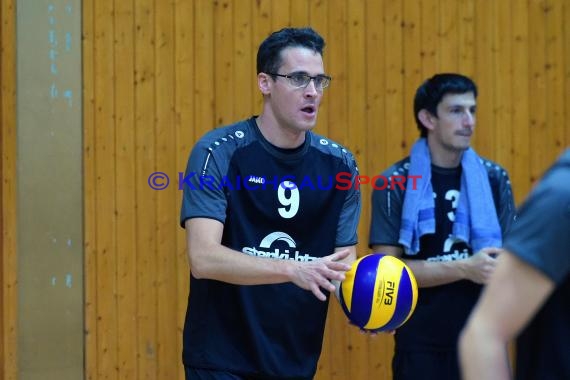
<point x="126" y="205"/>
<point x="184" y="135"/>
<point x="8" y="201"/>
<point x="356" y="111"/>
<point x="519" y="130"/>
<point x="167" y="295"/>
<point x="158" y="75"/>
<point x="502" y="79"/>
<point x="89" y="192"/>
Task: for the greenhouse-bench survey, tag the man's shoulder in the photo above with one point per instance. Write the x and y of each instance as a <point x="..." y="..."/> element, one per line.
<point x="239" y="133"/>
<point x="401" y="167"/>
<point x="332" y="148"/>
<point x="496" y="172"/>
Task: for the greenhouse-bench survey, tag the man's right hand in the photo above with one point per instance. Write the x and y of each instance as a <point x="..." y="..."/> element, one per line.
<point x="317" y="274"/>
<point x="479" y="267"/>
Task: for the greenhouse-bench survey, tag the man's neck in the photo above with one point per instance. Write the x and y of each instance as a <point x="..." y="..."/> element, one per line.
<point x="277" y="135"/>
<point x="444" y="158"/>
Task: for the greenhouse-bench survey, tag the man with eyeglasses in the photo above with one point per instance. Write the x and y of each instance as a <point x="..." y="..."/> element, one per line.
<point x="268" y="234"/>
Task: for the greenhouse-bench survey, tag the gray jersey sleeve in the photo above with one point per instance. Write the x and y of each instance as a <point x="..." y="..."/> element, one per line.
<point x="541" y="234"/>
<point x="350" y="215"/>
<point x="386" y="210"/>
<point x="202" y="186"/>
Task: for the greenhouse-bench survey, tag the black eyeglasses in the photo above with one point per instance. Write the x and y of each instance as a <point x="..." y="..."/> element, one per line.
<point x="302" y="80"/>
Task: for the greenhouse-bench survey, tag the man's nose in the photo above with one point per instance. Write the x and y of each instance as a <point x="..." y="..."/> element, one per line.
<point x="311" y="88"/>
<point x="469" y="118"/>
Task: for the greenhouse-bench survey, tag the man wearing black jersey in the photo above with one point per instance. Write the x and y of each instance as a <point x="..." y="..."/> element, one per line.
<point x="529" y="294"/>
<point x="441" y="232"/>
<point x="268" y="231"/>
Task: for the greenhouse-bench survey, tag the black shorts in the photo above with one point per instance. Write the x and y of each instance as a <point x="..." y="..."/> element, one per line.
<point x="425" y="365"/>
<point x="204" y="374"/>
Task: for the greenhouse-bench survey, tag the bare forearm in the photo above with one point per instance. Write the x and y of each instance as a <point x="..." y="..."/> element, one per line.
<point x="436" y="273"/>
<point x="427" y="273"/>
<point x="224" y="264"/>
<point x="483" y="356"/>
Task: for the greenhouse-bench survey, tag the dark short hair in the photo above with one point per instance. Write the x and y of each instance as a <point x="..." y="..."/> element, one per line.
<point x="432" y="91"/>
<point x="269" y="53"/>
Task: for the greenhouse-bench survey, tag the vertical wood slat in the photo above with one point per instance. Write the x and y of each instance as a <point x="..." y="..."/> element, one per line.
<point x="8" y="211"/>
<point x="484" y="78"/>
<point x="318" y="20"/>
<point x="105" y="270"/>
<point x="521" y="102"/>
<point x="300" y="13"/>
<point x="89" y="193"/>
<point x="356" y="49"/>
<point x="555" y="79"/>
<point x="124" y="178"/>
<point x="146" y="198"/>
<point x="429" y="21"/>
<point x="260" y="29"/>
<point x="501" y="91"/>
<point x="380" y="349"/>
<point x="184" y="126"/>
<point x="394" y="91"/>
<point x="280" y="14"/>
<point x="566" y="37"/>
<point x="466" y="37"/>
<point x="537" y="88"/>
<point x="223" y="61"/>
<point x="412" y="68"/>
<point x="243" y="63"/>
<point x="204" y="89"/>
<point x="167" y="294"/>
<point x="448" y="55"/>
<point x="339" y="343"/>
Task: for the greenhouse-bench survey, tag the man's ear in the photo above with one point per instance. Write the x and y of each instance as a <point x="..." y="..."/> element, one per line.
<point x="263" y="82"/>
<point x="427" y="119"/>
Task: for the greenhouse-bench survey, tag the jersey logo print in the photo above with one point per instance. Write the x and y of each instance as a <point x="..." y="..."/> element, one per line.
<point x="256" y="179"/>
<point x="265" y="250"/>
<point x="277" y="236"/>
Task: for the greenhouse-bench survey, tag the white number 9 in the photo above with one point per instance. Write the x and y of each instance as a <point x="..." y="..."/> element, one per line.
<point x="291" y="203"/>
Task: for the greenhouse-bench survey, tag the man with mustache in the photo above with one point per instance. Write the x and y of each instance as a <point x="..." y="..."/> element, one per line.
<point x="463" y="205"/>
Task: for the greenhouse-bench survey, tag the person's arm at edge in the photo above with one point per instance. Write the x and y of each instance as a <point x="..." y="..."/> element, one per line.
<point x="514" y="294"/>
<point x="210" y="259"/>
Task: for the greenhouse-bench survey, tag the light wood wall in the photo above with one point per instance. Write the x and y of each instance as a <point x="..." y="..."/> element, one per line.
<point x="8" y="259"/>
<point x="159" y="74"/>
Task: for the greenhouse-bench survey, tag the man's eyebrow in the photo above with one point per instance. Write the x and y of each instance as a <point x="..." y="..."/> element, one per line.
<point x="461" y="105"/>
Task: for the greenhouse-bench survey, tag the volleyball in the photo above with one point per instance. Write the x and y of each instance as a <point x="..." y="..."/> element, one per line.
<point x="379" y="293"/>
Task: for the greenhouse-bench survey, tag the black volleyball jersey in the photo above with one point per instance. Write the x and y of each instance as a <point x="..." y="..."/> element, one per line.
<point x="441" y="311"/>
<point x="276" y="204"/>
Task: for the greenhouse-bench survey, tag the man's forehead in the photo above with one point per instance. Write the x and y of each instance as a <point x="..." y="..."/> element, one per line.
<point x="299" y="58"/>
<point x="466" y="99"/>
